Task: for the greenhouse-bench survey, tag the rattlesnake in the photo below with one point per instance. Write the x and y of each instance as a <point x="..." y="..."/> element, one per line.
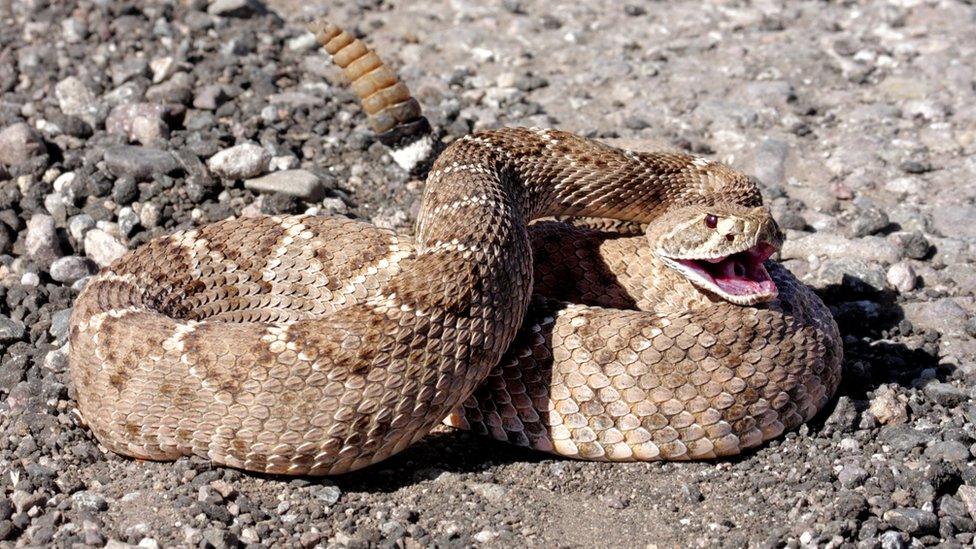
<point x="317" y="345"/>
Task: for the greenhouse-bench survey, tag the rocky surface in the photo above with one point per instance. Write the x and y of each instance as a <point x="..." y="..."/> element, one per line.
<point x="123" y="120"/>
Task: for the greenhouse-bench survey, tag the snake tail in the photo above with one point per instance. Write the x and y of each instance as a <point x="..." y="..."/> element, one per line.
<point x="393" y="113"/>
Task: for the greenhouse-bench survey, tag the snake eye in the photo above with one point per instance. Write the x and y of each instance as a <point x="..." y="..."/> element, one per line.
<point x="711" y="221"/>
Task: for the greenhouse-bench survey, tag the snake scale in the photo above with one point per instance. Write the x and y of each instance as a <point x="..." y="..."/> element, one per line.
<point x="317" y="345"/>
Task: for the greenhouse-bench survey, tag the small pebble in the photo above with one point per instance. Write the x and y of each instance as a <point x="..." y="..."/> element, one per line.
<point x="102" y="247"/>
<point x="902" y="277"/>
<point x="299" y="183"/>
<point x="243" y="161"/>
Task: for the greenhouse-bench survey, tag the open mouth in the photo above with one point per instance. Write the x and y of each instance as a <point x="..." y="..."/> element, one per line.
<point x="739" y="278"/>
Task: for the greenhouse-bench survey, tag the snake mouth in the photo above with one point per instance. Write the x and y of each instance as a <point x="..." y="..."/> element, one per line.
<point x="739" y="278"/>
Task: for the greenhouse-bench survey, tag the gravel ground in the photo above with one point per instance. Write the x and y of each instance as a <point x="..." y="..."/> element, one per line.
<point x="123" y="120"/>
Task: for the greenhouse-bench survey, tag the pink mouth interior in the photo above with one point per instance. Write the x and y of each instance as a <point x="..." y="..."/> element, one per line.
<point x="741" y="274"/>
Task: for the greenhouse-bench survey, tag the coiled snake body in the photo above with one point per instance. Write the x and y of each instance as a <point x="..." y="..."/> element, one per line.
<point x="312" y="345"/>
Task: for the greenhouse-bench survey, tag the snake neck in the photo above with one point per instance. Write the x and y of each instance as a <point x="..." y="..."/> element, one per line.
<point x="552" y="173"/>
<point x="486" y="187"/>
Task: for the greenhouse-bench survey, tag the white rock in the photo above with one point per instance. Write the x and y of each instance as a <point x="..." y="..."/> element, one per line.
<point x="148" y="543"/>
<point x="242" y="161"/>
<point x="30" y="279"/>
<point x="303" y="42"/>
<point x="887" y="407"/>
<point x="149" y="215"/>
<point x="902" y="277"/>
<point x="41" y="242"/>
<point x="286" y="162"/>
<point x="235" y="8"/>
<point x="64" y="180"/>
<point x="76" y="99"/>
<point x="162" y="68"/>
<point x="334" y="206"/>
<point x="102" y="247"/>
<point x="485" y="536"/>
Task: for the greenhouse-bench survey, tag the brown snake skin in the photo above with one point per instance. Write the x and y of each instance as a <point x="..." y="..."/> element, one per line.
<point x="312" y="345"/>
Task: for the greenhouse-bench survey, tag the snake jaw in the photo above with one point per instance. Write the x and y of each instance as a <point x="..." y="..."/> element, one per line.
<point x="739" y="278"/>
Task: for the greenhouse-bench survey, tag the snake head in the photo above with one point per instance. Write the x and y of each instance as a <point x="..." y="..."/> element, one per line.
<point x="720" y="249"/>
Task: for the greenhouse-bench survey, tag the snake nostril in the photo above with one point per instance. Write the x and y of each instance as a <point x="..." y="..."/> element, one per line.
<point x="729" y="237"/>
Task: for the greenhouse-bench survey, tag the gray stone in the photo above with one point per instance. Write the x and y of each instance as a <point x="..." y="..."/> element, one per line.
<point x="76" y="99"/>
<point x="177" y="90"/>
<point x="54" y="203"/>
<point x="770" y="164"/>
<point x="864" y="222"/>
<point x="851" y="476"/>
<point x="19" y="144"/>
<point x="814" y="197"/>
<point x="23" y="500"/>
<point x="41" y="242"/>
<point x="210" y="97"/>
<point x="221" y="539"/>
<point x="295" y="99"/>
<point x="334" y="206"/>
<point x="137" y="162"/>
<point x="129" y="68"/>
<point x="78" y="225"/>
<point x="11" y="330"/>
<point x="141" y="122"/>
<point x="955" y="220"/>
<point x="951" y="451"/>
<point x="56" y="360"/>
<point x="74" y="30"/>
<point x="902" y="437"/>
<point x="88" y="501"/>
<point x="102" y="247"/>
<point x="301" y="183"/>
<point x="893" y="540"/>
<point x="852" y="274"/>
<point x="328" y="494"/>
<point x="913" y="244"/>
<point x="492" y="492"/>
<point x="130" y="92"/>
<point x="911" y="520"/>
<point x="968" y="496"/>
<point x="764" y="92"/>
<point x="243" y="161"/>
<point x="125" y="190"/>
<point x="829" y="245"/>
<point x="945" y="394"/>
<point x="70" y="268"/>
<point x="896" y="87"/>
<point x="945" y="316"/>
